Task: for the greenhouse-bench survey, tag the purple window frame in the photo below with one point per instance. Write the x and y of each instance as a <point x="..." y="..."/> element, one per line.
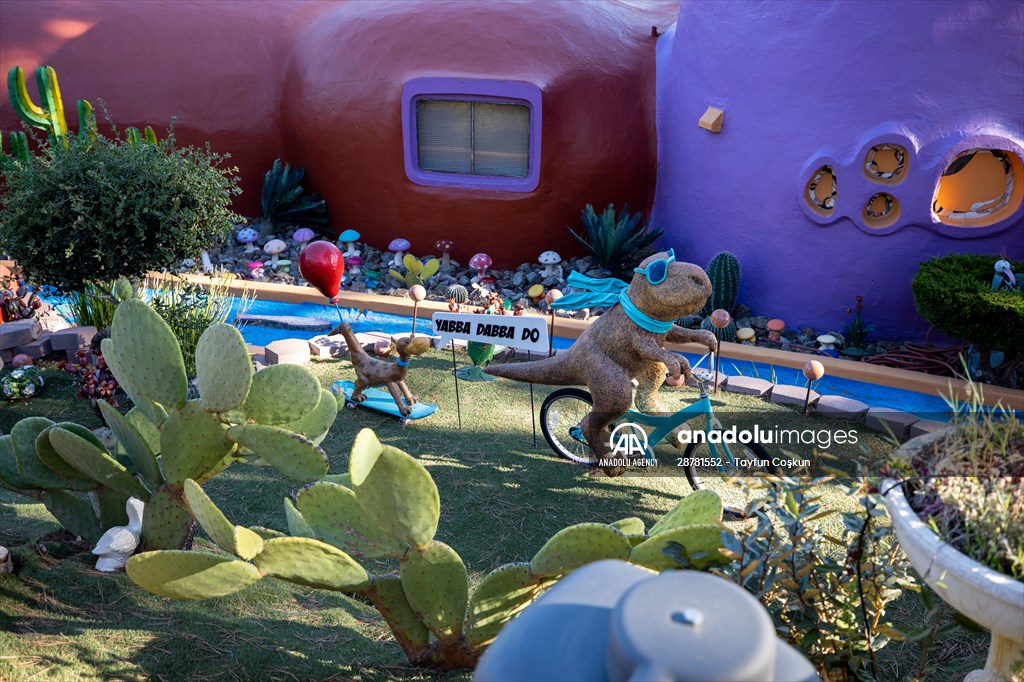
<point x="470" y="90"/>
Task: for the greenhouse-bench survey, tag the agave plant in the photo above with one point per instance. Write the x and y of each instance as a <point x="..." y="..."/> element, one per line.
<point x="617" y="243"/>
<point x="285" y="202"/>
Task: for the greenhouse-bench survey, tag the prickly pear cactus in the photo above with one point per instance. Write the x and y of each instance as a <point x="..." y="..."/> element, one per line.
<point x="387" y="508"/>
<point x="416" y="271"/>
<point x="167" y="445"/>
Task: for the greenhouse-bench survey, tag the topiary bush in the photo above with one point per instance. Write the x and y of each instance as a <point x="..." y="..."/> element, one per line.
<point x="102" y="208"/>
<point x="954" y="293"/>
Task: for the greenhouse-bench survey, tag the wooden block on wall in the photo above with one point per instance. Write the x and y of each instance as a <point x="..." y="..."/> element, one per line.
<point x="712" y="120"/>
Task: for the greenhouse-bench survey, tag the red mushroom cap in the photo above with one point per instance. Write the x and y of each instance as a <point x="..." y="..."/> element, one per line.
<point x="480" y="261"/>
<point x="776" y="325"/>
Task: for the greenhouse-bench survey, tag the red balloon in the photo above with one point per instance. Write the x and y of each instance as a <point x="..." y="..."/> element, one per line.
<point x="322" y="265"/>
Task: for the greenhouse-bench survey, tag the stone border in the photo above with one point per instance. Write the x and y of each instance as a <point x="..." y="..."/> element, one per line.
<point x="916" y="382"/>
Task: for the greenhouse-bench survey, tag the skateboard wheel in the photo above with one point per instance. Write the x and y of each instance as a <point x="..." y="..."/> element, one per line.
<point x="402" y="421"/>
<point x="350" y="405"/>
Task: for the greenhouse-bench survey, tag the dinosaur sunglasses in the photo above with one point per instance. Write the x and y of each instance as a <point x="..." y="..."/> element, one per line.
<point x="657" y="271"/>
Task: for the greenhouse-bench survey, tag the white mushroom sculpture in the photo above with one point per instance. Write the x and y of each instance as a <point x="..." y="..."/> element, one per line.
<point x="550" y="260"/>
<point x="274" y="248"/>
<point x="349" y="238"/>
<point x="118" y="544"/>
<point x="204" y="256"/>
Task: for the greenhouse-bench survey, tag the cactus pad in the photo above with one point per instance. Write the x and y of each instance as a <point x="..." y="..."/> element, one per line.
<point x="143" y="404"/>
<point x="235" y="539"/>
<point x="336" y="517"/>
<point x="702" y="543"/>
<point x="223" y="368"/>
<point x="341" y="479"/>
<point x="577" y="545"/>
<point x="317" y="423"/>
<point x="190" y="575"/>
<point x="365" y="451"/>
<point x="134" y="444"/>
<point x="148" y="353"/>
<point x="630" y="526"/>
<point x="74" y="513"/>
<point x="167" y="523"/>
<point x="146" y="428"/>
<point x="502" y="594"/>
<point x="699" y="507"/>
<point x="9" y="466"/>
<point x="281" y="394"/>
<point x="111" y="505"/>
<point x="437" y="586"/>
<point x="192" y="441"/>
<point x="397" y="492"/>
<point x="94" y="462"/>
<point x="267" y="533"/>
<point x="387" y="595"/>
<point x="293" y="455"/>
<point x="23" y="440"/>
<point x="312" y="563"/>
<point x="297" y="525"/>
<point x="48" y="456"/>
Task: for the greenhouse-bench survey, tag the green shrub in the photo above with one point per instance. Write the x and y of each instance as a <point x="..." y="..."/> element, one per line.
<point x="107" y="208"/>
<point x="285" y="203"/>
<point x="954" y="293"/>
<point x="617" y="243"/>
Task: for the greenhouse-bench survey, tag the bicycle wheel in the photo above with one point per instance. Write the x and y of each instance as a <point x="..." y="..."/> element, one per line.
<point x="560" y="417"/>
<point x="738" y="485"/>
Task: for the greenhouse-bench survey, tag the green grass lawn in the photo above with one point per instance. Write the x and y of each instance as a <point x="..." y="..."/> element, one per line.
<point x="501" y="498"/>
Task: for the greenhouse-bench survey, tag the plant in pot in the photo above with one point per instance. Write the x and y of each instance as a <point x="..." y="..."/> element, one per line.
<point x="955" y="502"/>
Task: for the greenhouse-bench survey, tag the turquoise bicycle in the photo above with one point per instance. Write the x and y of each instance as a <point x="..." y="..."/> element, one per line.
<point x="705" y="463"/>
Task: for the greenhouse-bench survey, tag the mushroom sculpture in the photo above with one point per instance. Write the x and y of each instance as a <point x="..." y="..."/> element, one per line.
<point x="274" y="248"/>
<point x="248" y="236"/>
<point x="118" y="544"/>
<point x="256" y="269"/>
<point x="399" y="246"/>
<point x="353" y="263"/>
<point x="303" y="235"/>
<point x="349" y="239"/>
<point x="445" y="246"/>
<point x="480" y="262"/>
<point x="550" y="260"/>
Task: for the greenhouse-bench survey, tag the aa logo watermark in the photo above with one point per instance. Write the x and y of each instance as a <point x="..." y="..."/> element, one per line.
<point x="628" y="443"/>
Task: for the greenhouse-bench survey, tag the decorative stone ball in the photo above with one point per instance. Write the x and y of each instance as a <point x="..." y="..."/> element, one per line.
<point x="720" y="318"/>
<point x="675" y="383"/>
<point x="552" y="296"/>
<point x="382" y="347"/>
<point x="417" y="292"/>
<point x="814" y="370"/>
<point x="745" y="335"/>
<point x="20" y="360"/>
<point x="24" y="382"/>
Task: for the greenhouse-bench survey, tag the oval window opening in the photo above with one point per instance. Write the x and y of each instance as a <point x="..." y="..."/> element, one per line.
<point x="979" y="187"/>
<point x="821" y="191"/>
<point x="886" y="163"/>
<point x="882" y="210"/>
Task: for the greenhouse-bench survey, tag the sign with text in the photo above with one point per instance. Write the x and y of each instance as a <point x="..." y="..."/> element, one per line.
<point x="525" y="332"/>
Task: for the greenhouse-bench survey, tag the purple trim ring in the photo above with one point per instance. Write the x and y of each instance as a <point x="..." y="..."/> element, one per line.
<point x="475" y="90"/>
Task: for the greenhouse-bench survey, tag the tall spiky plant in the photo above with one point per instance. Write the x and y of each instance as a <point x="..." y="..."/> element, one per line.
<point x="285" y="202"/>
<point x="617" y="242"/>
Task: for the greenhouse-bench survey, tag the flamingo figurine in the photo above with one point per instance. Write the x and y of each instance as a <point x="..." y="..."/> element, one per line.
<point x="1004" y="276"/>
<point x="118" y="544"/>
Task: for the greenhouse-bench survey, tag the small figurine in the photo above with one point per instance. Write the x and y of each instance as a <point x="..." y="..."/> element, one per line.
<point x="118" y="544"/>
<point x="519" y="310"/>
<point x="1004" y="278"/>
<point x="371" y="372"/>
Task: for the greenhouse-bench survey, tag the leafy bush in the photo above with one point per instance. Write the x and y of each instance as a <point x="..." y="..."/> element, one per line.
<point x="285" y="203"/>
<point x="106" y="208"/>
<point x="617" y="243"/>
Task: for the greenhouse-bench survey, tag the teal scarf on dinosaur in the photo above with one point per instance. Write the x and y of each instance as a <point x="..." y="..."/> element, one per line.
<point x="604" y="293"/>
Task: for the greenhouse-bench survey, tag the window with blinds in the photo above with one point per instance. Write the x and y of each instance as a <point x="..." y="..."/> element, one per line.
<point x="473" y="137"/>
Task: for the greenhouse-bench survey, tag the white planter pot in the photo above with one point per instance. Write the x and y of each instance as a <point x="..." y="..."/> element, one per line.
<point x="987" y="597"/>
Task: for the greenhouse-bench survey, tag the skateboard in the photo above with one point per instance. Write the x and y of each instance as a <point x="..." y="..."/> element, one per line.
<point x="381" y="401"/>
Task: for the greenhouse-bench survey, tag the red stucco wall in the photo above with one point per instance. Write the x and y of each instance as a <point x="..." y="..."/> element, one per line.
<point x="319" y="83"/>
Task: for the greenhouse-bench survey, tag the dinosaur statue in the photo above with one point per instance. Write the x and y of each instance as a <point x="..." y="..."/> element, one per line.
<point x="625" y="343"/>
<point x="371" y="372"/>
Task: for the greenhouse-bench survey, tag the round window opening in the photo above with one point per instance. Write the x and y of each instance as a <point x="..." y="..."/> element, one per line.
<point x="979" y="187"/>
<point x="886" y="163"/>
<point x="882" y="210"/>
<point x="821" y="191"/>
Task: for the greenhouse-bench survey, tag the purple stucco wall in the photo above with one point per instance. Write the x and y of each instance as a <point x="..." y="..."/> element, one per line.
<point x="800" y="82"/>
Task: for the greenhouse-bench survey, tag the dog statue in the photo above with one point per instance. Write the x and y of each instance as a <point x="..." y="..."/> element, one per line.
<point x="372" y="372"/>
<point x="624" y="343"/>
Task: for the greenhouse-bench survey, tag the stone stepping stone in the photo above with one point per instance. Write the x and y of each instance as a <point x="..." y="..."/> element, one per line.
<point x="748" y="385"/>
<point x="787" y="394"/>
<point x="38" y="349"/>
<point x="287" y="352"/>
<point x="19" y="333"/>
<point x="841" y="407"/>
<point x="923" y="426"/>
<point x="292" y="322"/>
<point x="326" y="347"/>
<point x="72" y="338"/>
<point x="886" y="419"/>
<point x="708" y="377"/>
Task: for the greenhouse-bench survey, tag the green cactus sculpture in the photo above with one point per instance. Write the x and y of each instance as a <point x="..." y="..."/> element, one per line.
<point x="387" y="508"/>
<point x="724" y="273"/>
<point x="416" y="271"/>
<point x="275" y="417"/>
<point x="19" y="148"/>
